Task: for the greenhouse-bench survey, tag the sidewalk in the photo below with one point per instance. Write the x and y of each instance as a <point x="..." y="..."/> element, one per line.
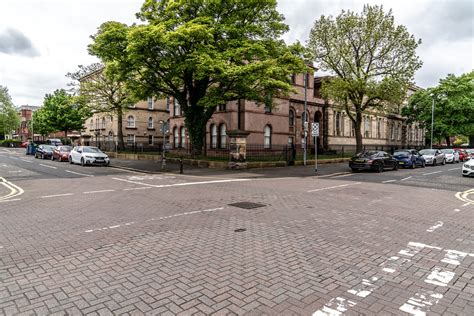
<point x="146" y="166"/>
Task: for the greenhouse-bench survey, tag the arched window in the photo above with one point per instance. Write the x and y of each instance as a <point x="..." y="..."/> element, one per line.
<point x="213" y="136"/>
<point x="183" y="136"/>
<point x="150" y="122"/>
<point x="267" y="137"/>
<point x="176" y="108"/>
<point x="222" y="136"/>
<point x="176" y="137"/>
<point x="130" y="121"/>
<point x="291" y="118"/>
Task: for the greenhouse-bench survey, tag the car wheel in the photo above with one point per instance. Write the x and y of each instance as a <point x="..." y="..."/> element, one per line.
<point x="413" y="164"/>
<point x="70" y="160"/>
<point x="107" y="164"/>
<point x="395" y="167"/>
<point x="434" y="163"/>
<point x="379" y="168"/>
<point x="52" y="157"/>
<point x="83" y="163"/>
<point x="42" y="156"/>
<point x="444" y="162"/>
<point x="355" y="170"/>
<point x="423" y="164"/>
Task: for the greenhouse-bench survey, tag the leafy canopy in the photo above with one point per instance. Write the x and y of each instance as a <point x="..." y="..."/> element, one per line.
<point x="9" y="119"/>
<point x="203" y="53"/>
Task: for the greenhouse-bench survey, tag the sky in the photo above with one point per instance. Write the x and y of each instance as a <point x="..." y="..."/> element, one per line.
<point x="42" y="40"/>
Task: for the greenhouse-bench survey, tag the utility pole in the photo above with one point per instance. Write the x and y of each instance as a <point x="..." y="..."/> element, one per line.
<point x="305" y="119"/>
<point x="432" y="120"/>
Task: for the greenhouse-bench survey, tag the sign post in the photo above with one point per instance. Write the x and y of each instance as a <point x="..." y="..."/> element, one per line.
<point x="315" y="132"/>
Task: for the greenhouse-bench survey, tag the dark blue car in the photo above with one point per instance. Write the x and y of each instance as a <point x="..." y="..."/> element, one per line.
<point x="409" y="158"/>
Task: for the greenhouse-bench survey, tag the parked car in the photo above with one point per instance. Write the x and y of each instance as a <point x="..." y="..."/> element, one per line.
<point x="54" y="142"/>
<point x="468" y="168"/>
<point x="433" y="156"/>
<point x="463" y="155"/>
<point x="373" y="160"/>
<point x="470" y="153"/>
<point x="409" y="158"/>
<point x="44" y="151"/>
<point x="24" y="144"/>
<point x="451" y="155"/>
<point x="61" y="153"/>
<point x="88" y="155"/>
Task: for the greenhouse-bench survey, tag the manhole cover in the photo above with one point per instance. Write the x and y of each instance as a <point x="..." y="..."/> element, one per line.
<point x="247" y="205"/>
<point x="239" y="230"/>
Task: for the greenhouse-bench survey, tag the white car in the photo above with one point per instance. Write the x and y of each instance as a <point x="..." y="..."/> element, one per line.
<point x="468" y="168"/>
<point x="451" y="155"/>
<point x="433" y="156"/>
<point x="88" y="155"/>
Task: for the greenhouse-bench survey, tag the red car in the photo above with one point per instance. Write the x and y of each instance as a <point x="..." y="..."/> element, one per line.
<point x="24" y="144"/>
<point x="61" y="153"/>
<point x="463" y="155"/>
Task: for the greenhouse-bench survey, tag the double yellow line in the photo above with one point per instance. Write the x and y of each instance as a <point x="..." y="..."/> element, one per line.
<point x="14" y="190"/>
<point x="464" y="196"/>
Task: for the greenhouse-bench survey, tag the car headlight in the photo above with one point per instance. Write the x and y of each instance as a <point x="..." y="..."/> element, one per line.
<point x="89" y="157"/>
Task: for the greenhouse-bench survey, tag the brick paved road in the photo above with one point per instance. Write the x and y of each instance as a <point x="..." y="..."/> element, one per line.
<point x="168" y="244"/>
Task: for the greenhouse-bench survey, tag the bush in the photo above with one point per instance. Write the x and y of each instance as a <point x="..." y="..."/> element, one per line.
<point x="10" y="142"/>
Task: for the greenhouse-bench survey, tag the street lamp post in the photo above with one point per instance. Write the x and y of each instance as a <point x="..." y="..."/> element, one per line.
<point x="432" y="120"/>
<point x="163" y="144"/>
<point x="305" y="119"/>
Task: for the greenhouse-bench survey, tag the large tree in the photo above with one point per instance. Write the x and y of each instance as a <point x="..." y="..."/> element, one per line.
<point x="202" y="53"/>
<point x="103" y="91"/>
<point x="373" y="61"/>
<point x="63" y="112"/>
<point x="9" y="118"/>
<point x="453" y="101"/>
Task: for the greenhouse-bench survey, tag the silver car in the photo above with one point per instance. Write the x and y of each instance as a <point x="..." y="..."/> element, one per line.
<point x="433" y="156"/>
<point x="451" y="155"/>
<point x="88" y="155"/>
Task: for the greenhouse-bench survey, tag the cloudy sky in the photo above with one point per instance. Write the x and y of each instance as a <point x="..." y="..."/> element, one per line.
<point x="42" y="40"/>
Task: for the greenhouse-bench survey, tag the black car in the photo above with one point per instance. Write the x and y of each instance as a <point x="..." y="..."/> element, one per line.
<point x="373" y="160"/>
<point x="44" y="151"/>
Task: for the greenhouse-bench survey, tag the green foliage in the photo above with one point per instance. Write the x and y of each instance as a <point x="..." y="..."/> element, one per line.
<point x="203" y="53"/>
<point x="60" y="112"/>
<point x="454" y="106"/>
<point x="372" y="59"/>
<point x="9" y="118"/>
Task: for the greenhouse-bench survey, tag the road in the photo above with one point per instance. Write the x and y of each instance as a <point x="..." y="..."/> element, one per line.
<point x="102" y="240"/>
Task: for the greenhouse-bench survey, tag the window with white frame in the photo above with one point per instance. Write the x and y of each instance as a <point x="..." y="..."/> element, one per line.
<point x="150" y="139"/>
<point x="267" y="137"/>
<point x="176" y="137"/>
<point x="392" y="131"/>
<point x="213" y="136"/>
<point x="176" y="108"/>
<point x="291" y="118"/>
<point x="183" y="136"/>
<point x="338" y="124"/>
<point x="222" y="136"/>
<point x="91" y="124"/>
<point x="130" y="139"/>
<point x="366" y="126"/>
<point x="399" y="132"/>
<point x="130" y="121"/>
<point x="151" y="103"/>
<point x="150" y="122"/>
<point x="379" y="128"/>
<point x="103" y="123"/>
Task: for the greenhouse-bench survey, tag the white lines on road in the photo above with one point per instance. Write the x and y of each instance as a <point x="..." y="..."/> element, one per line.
<point x="139" y="188"/>
<point x="336" y="306"/>
<point x="9" y="200"/>
<point x="155" y="219"/>
<point x="47" y="166"/>
<point x="464" y="196"/>
<point x="99" y="191"/>
<point x="80" y="174"/>
<point x="29" y="161"/>
<point x="55" y="195"/>
<point x="14" y="190"/>
<point x="334" y="187"/>
<point x="334" y="174"/>
<point x="344" y="175"/>
<point x="425" y="174"/>
<point x="454" y="169"/>
<point x="406" y="178"/>
<point x="439" y="277"/>
<point x="388" y="181"/>
<point x="182" y="184"/>
<point x="365" y="288"/>
<point x="454" y="257"/>
<point x="421" y="302"/>
<point x="435" y="226"/>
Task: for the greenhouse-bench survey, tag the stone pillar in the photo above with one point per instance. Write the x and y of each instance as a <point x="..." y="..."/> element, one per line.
<point x="238" y="149"/>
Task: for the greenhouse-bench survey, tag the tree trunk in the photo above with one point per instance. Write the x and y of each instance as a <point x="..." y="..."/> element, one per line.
<point x="121" y="144"/>
<point x="448" y="141"/>
<point x="358" y="132"/>
<point x="65" y="135"/>
<point x="195" y="120"/>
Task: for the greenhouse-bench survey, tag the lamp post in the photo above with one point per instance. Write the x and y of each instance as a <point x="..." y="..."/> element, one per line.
<point x="432" y="119"/>
<point x="163" y="143"/>
<point x="305" y="119"/>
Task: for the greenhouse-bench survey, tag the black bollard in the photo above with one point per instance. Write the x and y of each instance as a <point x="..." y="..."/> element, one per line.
<point x="181" y="165"/>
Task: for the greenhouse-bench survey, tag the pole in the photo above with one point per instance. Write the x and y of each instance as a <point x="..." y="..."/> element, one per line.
<point x="163" y="144"/>
<point x="315" y="154"/>
<point x="305" y="119"/>
<point x="432" y="121"/>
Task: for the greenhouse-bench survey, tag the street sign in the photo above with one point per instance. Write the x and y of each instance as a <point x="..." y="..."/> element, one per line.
<point x="315" y="129"/>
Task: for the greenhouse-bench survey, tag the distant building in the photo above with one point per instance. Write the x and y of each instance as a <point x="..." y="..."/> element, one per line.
<point x="26" y="129"/>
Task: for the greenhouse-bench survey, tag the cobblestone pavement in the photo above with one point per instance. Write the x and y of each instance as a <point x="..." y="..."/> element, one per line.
<point x="171" y="244"/>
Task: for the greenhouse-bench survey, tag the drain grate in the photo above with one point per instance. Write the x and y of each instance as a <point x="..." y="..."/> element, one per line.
<point x="247" y="205"/>
<point x="240" y="230"/>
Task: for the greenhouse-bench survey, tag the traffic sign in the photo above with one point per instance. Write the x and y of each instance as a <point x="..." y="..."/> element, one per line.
<point x="315" y="129"/>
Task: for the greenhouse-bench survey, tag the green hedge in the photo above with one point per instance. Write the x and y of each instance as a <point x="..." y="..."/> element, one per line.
<point x="9" y="142"/>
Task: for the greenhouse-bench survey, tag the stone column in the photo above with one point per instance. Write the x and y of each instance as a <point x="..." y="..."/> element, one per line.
<point x="238" y="149"/>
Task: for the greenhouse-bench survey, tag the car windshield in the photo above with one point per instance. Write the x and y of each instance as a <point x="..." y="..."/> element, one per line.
<point x="427" y="152"/>
<point x="48" y="147"/>
<point x="65" y="148"/>
<point x="92" y="150"/>
<point x="447" y="151"/>
<point x="367" y="154"/>
<point x="402" y="154"/>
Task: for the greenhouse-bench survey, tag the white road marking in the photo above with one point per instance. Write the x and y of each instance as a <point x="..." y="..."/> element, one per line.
<point x="80" y="174"/>
<point x="344" y="175"/>
<point x="336" y="306"/>
<point x="425" y="174"/>
<point x="29" y="161"/>
<point x="440" y="278"/>
<point x="454" y="257"/>
<point x="435" y="226"/>
<point x="9" y="200"/>
<point x="15" y="171"/>
<point x="464" y="197"/>
<point x="99" y="191"/>
<point x="420" y="303"/>
<point x="457" y="210"/>
<point x="414" y="247"/>
<point x="334" y="187"/>
<point x="14" y="189"/>
<point x="454" y="169"/>
<point x="182" y="184"/>
<point x="365" y="288"/>
<point x="393" y="264"/>
<point x="52" y="167"/>
<point x="55" y="195"/>
<point x="333" y="174"/>
<point x="139" y="188"/>
<point x="387" y="181"/>
<point x="406" y="178"/>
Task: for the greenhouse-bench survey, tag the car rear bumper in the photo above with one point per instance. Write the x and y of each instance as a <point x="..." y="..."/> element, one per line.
<point x="360" y="166"/>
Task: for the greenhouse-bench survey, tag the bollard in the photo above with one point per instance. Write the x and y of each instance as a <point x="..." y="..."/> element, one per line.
<point x="181" y="165"/>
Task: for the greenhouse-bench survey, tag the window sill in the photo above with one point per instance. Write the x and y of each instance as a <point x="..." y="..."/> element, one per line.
<point x="130" y="127"/>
